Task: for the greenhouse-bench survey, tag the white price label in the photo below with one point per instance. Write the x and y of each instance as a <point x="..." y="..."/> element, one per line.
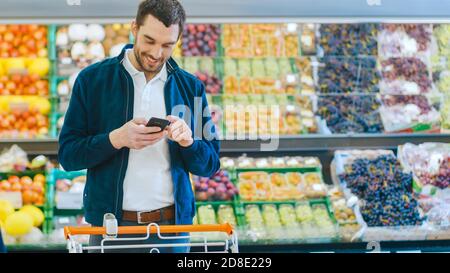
<point x="308" y="122"/>
<point x="69" y="200"/>
<point x="64" y="220"/>
<point x="290" y="78"/>
<point x="15" y="198"/>
<point x="307" y="40"/>
<point x="278" y="84"/>
<point x="291" y="27"/>
<point x="290" y="108"/>
<point x="317" y="187"/>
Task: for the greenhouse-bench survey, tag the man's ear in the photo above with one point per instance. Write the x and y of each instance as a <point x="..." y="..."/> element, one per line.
<point x="134" y="29"/>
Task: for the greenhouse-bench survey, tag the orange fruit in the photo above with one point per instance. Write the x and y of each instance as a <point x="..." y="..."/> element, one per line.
<point x="26" y="180"/>
<point x="14" y="179"/>
<point x="40" y="201"/>
<point x="16" y="186"/>
<point x="39" y="177"/>
<point x="37" y="187"/>
<point x="5" y="185"/>
<point x="35" y="197"/>
<point x="27" y="197"/>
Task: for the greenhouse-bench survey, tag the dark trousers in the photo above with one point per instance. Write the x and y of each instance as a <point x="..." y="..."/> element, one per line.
<point x="95" y="240"/>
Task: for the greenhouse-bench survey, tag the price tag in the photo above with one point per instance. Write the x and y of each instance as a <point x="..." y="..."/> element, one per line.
<point x="291" y="27"/>
<point x="15" y="198"/>
<point x="317" y="187"/>
<point x="308" y="122"/>
<point x="388" y="68"/>
<point x="69" y="200"/>
<point x="307" y="40"/>
<point x="64" y="220"/>
<point x="66" y="61"/>
<point x="290" y="108"/>
<point x="278" y="84"/>
<point x="310" y="161"/>
<point x="64" y="89"/>
<point x="290" y="78"/>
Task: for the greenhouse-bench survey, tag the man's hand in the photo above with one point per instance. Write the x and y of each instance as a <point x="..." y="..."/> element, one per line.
<point x="135" y="135"/>
<point x="179" y="131"/>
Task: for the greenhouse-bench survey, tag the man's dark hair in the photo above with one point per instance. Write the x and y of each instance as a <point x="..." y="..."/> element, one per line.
<point x="169" y="12"/>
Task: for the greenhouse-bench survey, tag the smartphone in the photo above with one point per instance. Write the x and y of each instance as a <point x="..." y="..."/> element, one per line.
<point x="157" y="122"/>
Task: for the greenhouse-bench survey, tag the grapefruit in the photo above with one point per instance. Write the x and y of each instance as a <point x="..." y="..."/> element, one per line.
<point x="6" y="209"/>
<point x="35" y="213"/>
<point x="18" y="223"/>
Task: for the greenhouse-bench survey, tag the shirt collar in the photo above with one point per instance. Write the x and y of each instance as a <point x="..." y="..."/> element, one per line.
<point x="162" y="75"/>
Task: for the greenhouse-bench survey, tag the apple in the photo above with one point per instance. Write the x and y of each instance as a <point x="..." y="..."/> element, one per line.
<point x="202" y="196"/>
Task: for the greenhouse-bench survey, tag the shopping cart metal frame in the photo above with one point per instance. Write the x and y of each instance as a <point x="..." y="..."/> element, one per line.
<point x="111" y="230"/>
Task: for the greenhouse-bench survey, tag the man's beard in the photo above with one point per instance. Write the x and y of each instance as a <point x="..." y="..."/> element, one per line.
<point x="139" y="61"/>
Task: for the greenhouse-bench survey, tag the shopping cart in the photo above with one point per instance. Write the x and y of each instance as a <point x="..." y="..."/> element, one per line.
<point x="110" y="230"/>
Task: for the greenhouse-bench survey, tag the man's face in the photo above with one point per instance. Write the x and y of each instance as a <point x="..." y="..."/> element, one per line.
<point x="154" y="43"/>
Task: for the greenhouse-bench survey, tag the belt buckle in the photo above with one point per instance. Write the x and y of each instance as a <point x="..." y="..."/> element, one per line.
<point x="139" y="217"/>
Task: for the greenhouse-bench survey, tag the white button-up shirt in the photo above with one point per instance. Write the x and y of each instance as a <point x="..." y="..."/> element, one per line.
<point x="148" y="181"/>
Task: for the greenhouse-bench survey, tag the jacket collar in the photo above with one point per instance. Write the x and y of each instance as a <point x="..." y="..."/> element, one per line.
<point x="171" y="65"/>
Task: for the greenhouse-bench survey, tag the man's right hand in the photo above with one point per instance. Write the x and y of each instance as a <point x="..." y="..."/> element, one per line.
<point x="135" y="135"/>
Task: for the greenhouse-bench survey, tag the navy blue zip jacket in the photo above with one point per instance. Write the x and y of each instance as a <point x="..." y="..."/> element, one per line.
<point x="2" y="245"/>
<point x="102" y="101"/>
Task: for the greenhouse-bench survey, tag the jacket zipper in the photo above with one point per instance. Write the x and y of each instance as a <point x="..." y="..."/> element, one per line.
<point x="173" y="182"/>
<point x="123" y="154"/>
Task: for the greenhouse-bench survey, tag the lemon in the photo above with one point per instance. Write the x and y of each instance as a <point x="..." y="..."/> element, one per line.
<point x="39" y="66"/>
<point x="13" y="65"/>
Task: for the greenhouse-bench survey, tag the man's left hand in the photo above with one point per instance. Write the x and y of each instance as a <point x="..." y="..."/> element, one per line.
<point x="179" y="131"/>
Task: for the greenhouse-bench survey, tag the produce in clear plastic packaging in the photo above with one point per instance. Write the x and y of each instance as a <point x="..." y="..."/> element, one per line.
<point x="342" y="212"/>
<point x="348" y="75"/>
<point x="348" y="231"/>
<point x="237" y="40"/>
<point x="254" y="219"/>
<point x="280" y="189"/>
<point x="409" y="69"/>
<point x="308" y="39"/>
<point x="260" y="184"/>
<point x="323" y="220"/>
<point x="206" y="215"/>
<point x="385" y="189"/>
<point x="271" y="216"/>
<point x="304" y="67"/>
<point x="429" y="163"/>
<point x="225" y="214"/>
<point x="351" y="113"/>
<point x="401" y="112"/>
<point x="272" y="221"/>
<point x="287" y="216"/>
<point x="445" y="114"/>
<point x="349" y="39"/>
<point x="304" y="212"/>
<point x="404" y="39"/>
<point x="314" y="186"/>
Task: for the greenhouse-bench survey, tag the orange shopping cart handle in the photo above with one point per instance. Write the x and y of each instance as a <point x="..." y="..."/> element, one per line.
<point x="143" y="229"/>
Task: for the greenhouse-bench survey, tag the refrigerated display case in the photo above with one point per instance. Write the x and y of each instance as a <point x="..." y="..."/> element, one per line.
<point x="347" y="75"/>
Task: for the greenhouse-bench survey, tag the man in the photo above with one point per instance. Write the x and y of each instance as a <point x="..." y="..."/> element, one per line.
<point x="139" y="173"/>
<point x="2" y="245"/>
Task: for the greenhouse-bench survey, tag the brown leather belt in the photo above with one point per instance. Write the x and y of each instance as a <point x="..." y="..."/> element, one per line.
<point x="146" y="217"/>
